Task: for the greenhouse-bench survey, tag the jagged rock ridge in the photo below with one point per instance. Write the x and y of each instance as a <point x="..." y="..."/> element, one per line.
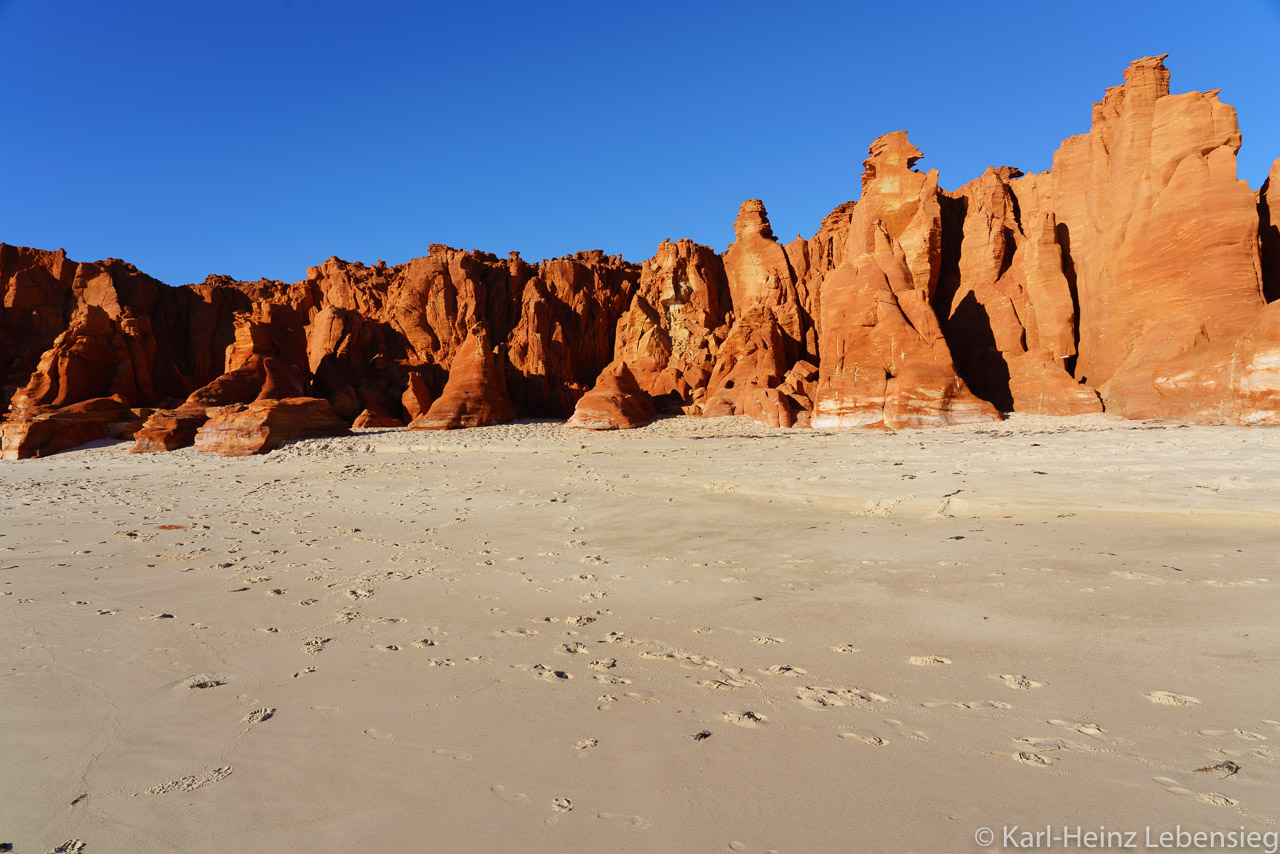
<point x="1137" y="276"/>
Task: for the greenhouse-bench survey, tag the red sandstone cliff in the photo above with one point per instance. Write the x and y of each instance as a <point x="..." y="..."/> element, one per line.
<point x="1134" y="276"/>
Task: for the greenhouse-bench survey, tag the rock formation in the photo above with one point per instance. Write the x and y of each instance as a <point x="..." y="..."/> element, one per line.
<point x="883" y="358"/>
<point x="769" y="331"/>
<point x="672" y="330"/>
<point x="1133" y="277"/>
<point x="1005" y="301"/>
<point x="242" y="429"/>
<point x="615" y="403"/>
<point x="1162" y="236"/>
<point x="476" y="394"/>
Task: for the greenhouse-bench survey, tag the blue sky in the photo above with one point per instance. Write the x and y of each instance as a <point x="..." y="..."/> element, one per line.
<point x="257" y="137"/>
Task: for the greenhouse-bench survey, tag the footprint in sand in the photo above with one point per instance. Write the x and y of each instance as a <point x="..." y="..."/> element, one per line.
<point x="308" y="602"/>
<point x="71" y="846"/>
<point x="313" y="646"/>
<point x="586" y="744"/>
<point x="379" y="735"/>
<point x="927" y="660"/>
<point x="603" y="664"/>
<point x="1167" y="698"/>
<point x="1051" y="745"/>
<point x="257" y="716"/>
<point x="153" y="616"/>
<point x="107" y="612"/>
<point x="765" y="640"/>
<point x="1017" y="681"/>
<point x="784" y="670"/>
<point x="901" y="728"/>
<point x="874" y="741"/>
<point x="845" y="648"/>
<point x="571" y="649"/>
<point x="304" y="671"/>
<point x="1091" y="730"/>
<point x="390" y="647"/>
<point x="817" y="697"/>
<point x="748" y="719"/>
<point x="459" y="755"/>
<point x="1026" y="757"/>
<point x="976" y="704"/>
<point x="189" y="783"/>
<point x="440" y="662"/>
<point x="203" y="681"/>
<point x="725" y="684"/>
<point x="548" y="674"/>
<point x="520" y="633"/>
<point x="628" y="820"/>
<point x="1215" y="799"/>
<point x="1238" y="733"/>
<point x="510" y="797"/>
<point x="424" y="643"/>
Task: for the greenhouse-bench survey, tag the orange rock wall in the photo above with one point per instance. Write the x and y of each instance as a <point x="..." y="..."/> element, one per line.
<point x="1133" y="277"/>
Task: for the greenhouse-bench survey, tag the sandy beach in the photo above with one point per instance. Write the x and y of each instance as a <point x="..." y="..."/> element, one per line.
<point x="698" y="636"/>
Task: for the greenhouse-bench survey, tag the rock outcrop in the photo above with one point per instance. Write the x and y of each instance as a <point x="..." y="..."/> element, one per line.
<point x="768" y="334"/>
<point x="670" y="333"/>
<point x="1231" y="381"/>
<point x="476" y="394"/>
<point x="616" y="402"/>
<point x="1006" y="303"/>
<point x="243" y="429"/>
<point x="1133" y="277"/>
<point x="1162" y="236"/>
<point x="884" y="360"/>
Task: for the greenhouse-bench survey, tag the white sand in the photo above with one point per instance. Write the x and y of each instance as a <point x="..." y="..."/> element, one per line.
<point x="892" y="639"/>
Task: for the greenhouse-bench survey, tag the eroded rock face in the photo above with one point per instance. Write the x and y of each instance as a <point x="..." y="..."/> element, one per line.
<point x="884" y="359"/>
<point x="673" y="327"/>
<point x="476" y="394"/>
<point x="616" y="402"/>
<point x="771" y="327"/>
<point x="1133" y="275"/>
<point x="1162" y="235"/>
<point x="40" y="431"/>
<point x="1232" y="381"/>
<point x="267" y="360"/>
<point x="244" y="429"/>
<point x="1008" y="312"/>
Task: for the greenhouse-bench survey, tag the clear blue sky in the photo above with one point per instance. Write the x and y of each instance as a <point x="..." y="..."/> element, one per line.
<point x="257" y="137"/>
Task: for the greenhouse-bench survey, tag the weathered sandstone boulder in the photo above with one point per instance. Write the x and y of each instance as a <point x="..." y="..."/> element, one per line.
<point x="616" y="402"/>
<point x="40" y="431"/>
<point x="376" y="418"/>
<point x="243" y="429"/>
